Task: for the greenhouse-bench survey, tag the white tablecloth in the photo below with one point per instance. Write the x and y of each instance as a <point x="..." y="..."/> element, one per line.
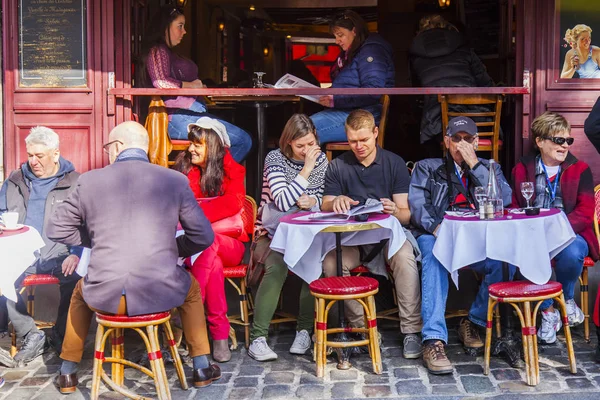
<point x="17" y="254"/>
<point x="529" y="243"/>
<point x="304" y="246"/>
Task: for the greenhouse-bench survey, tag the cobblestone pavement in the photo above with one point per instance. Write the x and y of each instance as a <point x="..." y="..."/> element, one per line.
<point x="294" y="376"/>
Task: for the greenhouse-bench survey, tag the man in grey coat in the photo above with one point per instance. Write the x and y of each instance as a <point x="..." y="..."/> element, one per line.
<point x="127" y="213"/>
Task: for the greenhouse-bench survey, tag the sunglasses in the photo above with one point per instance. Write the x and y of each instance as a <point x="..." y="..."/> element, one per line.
<point x="559" y="140"/>
<point x="468" y="139"/>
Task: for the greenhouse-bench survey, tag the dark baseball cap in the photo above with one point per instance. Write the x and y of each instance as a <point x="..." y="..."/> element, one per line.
<point x="461" y="124"/>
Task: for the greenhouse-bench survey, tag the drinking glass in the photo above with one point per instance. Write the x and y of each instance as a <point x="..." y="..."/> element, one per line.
<point x="258" y="82"/>
<point x="480" y="194"/>
<point x="527" y="191"/>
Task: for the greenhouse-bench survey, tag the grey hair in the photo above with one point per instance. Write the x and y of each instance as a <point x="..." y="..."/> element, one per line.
<point x="44" y="136"/>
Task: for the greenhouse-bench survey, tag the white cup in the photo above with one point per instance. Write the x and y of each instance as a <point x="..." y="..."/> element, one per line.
<point x="10" y="219"/>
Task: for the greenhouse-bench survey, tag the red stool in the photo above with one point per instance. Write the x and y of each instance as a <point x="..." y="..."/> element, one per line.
<point x="112" y="326"/>
<point x="524" y="292"/>
<point x="329" y="290"/>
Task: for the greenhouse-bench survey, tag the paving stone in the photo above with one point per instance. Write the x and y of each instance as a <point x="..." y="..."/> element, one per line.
<point x="406" y="373"/>
<point x="276" y="392"/>
<point x="441" y="379"/>
<point x="250" y="371"/>
<point x="506" y="374"/>
<point x="411" y="387"/>
<point x="341" y="375"/>
<point x="310" y="379"/>
<point x="516" y="387"/>
<point x="310" y="391"/>
<point x="592" y="368"/>
<point x="225" y="378"/>
<point x="23" y="394"/>
<point x="475" y="369"/>
<point x="36" y="381"/>
<point x="210" y="392"/>
<point x="373" y="379"/>
<point x="376" y="391"/>
<point x="47" y="370"/>
<point x="548" y="376"/>
<point x="444" y="390"/>
<point x="245" y="382"/>
<point x="566" y="372"/>
<point x="579" y="383"/>
<point x="54" y="394"/>
<point x="241" y="393"/>
<point x="279" y="378"/>
<point x="477" y="384"/>
<point x="14" y="375"/>
<point x="342" y="390"/>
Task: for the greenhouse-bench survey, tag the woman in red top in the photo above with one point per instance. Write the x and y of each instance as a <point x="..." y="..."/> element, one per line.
<point x="218" y="183"/>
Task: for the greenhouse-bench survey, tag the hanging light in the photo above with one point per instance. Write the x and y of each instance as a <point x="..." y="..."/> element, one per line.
<point x="444" y="3"/>
<point x="221" y="25"/>
<point x="252" y="8"/>
<point x="266" y="50"/>
<point x="181" y="3"/>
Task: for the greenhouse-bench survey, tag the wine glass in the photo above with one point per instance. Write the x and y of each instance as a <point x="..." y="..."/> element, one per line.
<point x="480" y="194"/>
<point x="527" y="191"/>
<point x="258" y="83"/>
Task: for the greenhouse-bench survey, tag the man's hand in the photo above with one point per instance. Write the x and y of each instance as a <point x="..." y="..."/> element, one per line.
<point x="326" y="101"/>
<point x="467" y="151"/>
<point x="69" y="265"/>
<point x="435" y="231"/>
<point x="389" y="207"/>
<point x="342" y="204"/>
<point x="305" y="202"/>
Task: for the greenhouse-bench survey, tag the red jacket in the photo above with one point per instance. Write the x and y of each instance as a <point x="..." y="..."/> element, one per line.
<point x="231" y="200"/>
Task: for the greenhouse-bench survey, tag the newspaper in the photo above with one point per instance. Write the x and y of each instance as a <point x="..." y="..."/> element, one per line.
<point x="291" y="81"/>
<point x="370" y="206"/>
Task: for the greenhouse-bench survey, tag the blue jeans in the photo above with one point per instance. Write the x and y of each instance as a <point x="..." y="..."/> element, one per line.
<point x="241" y="142"/>
<point x="568" y="265"/>
<point x="434" y="291"/>
<point x="331" y="123"/>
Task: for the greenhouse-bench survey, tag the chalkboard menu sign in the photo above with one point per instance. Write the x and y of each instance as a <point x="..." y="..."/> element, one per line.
<point x="52" y="43"/>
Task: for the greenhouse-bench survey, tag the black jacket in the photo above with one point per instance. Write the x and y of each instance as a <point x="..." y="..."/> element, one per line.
<point x="441" y="57"/>
<point x="592" y="126"/>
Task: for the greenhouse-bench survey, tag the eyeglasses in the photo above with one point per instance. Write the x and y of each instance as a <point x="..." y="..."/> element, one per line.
<point x="107" y="145"/>
<point x="559" y="140"/>
<point x="468" y="139"/>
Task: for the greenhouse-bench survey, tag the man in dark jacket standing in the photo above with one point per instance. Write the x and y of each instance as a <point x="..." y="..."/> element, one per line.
<point x="34" y="191"/>
<point x="592" y="126"/>
<point x="127" y="213"/>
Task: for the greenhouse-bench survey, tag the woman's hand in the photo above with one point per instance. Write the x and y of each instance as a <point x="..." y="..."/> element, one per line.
<point x="310" y="159"/>
<point x="305" y="202"/>
<point x="575" y="61"/>
<point x="326" y="101"/>
<point x="197" y="84"/>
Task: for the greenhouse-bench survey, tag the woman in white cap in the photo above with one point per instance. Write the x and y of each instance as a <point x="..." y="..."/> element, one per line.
<point x="218" y="183"/>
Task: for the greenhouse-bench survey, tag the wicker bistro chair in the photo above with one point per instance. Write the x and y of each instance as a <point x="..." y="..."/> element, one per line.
<point x="112" y="326"/>
<point x="329" y="290"/>
<point x="29" y="285"/>
<point x="239" y="273"/>
<point x="523" y="293"/>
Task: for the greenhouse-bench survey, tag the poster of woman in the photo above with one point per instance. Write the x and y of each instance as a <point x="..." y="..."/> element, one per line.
<point x="580" y="58"/>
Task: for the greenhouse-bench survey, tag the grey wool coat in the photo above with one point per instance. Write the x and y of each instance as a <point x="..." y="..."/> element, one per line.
<point x="127" y="213"/>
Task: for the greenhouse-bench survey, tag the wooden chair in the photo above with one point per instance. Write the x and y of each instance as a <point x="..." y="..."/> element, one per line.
<point x="239" y="273"/>
<point x="344" y="146"/>
<point x="28" y="286"/>
<point x="112" y="326"/>
<point x="524" y="293"/>
<point x="489" y="131"/>
<point x="329" y="290"/>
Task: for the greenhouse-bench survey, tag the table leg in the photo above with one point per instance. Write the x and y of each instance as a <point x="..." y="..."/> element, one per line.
<point x="509" y="344"/>
<point x="261" y="147"/>
<point x="342" y="353"/>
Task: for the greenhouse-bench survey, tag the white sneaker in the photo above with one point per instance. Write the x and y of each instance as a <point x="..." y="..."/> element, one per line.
<point x="260" y="350"/>
<point x="574" y="313"/>
<point x="301" y="343"/>
<point x="550" y="325"/>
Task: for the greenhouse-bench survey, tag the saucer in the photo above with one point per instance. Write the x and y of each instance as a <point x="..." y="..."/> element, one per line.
<point x="16" y="228"/>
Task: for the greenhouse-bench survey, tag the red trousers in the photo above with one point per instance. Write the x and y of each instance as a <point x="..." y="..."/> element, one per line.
<point x="208" y="271"/>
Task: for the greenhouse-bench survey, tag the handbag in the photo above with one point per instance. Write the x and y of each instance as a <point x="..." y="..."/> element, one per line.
<point x="232" y="226"/>
<point x="256" y="265"/>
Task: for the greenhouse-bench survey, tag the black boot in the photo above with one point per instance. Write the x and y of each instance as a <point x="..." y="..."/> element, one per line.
<point x="597" y="357"/>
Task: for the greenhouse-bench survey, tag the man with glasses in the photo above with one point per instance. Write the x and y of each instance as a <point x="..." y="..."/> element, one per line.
<point x="127" y="213"/>
<point x="35" y="190"/>
<point x="438" y="185"/>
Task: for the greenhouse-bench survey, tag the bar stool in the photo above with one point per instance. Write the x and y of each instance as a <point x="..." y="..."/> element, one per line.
<point x="112" y="326"/>
<point x="524" y="292"/>
<point x="329" y="290"/>
<point x="29" y="284"/>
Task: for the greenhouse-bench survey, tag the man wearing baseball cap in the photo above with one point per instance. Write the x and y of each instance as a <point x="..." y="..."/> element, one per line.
<point x="438" y="185"/>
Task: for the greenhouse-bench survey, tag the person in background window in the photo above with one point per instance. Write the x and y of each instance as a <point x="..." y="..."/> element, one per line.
<point x="168" y="70"/>
<point x="580" y="40"/>
<point x="365" y="61"/>
<point x="218" y="184"/>
<point x="440" y="56"/>
<point x="561" y="181"/>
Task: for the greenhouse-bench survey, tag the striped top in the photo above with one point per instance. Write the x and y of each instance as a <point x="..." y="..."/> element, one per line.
<point x="283" y="185"/>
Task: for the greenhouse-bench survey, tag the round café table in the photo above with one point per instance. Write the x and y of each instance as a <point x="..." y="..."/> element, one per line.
<point x="18" y="250"/>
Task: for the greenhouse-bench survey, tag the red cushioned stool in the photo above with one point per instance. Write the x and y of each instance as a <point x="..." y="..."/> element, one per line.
<point x="29" y="285"/>
<point x="112" y="326"/>
<point x="524" y="292"/>
<point x="329" y="290"/>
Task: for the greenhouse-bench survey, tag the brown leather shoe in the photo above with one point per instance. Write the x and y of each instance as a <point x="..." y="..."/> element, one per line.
<point x="469" y="335"/>
<point x="221" y="352"/>
<point x="435" y="360"/>
<point x="205" y="376"/>
<point x="66" y="383"/>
